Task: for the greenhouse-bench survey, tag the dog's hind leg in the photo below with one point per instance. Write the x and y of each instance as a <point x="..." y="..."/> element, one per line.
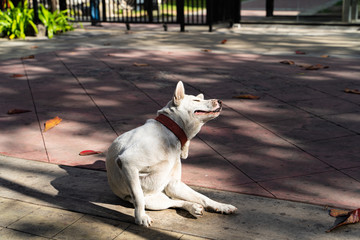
<point x="160" y="201"/>
<point x="180" y="190"/>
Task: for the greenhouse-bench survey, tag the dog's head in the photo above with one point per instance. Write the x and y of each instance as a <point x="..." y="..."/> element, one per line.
<point x="196" y="106"/>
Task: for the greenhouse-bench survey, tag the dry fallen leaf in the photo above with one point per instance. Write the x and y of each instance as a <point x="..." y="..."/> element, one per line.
<point x="355" y="91"/>
<point x="289" y="62"/>
<point x="325" y="56"/>
<point x="349" y="217"/>
<point x="206" y="50"/>
<point x="300" y="52"/>
<point x="223" y="41"/>
<point x="313" y="67"/>
<point x="338" y="213"/>
<point x="28" y="57"/>
<point x="17" y="75"/>
<point x="316" y="67"/>
<point x="89" y="152"/>
<point x="52" y="123"/>
<point x="34" y="47"/>
<point x="17" y="111"/>
<point x="247" y="96"/>
<point x="140" y="64"/>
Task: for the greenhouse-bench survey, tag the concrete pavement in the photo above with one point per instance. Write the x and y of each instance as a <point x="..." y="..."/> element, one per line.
<point x="299" y="142"/>
<point x="46" y="201"/>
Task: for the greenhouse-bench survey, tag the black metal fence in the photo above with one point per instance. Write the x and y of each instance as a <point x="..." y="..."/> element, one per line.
<point x="183" y="12"/>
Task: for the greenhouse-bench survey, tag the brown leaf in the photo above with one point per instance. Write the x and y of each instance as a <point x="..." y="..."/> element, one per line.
<point x="325" y="56"/>
<point x="289" y="62"/>
<point x="28" y="57"/>
<point x="338" y="213"/>
<point x="17" y="111"/>
<point x="316" y="67"/>
<point x="206" y="50"/>
<point x="350" y="217"/>
<point x="247" y="96"/>
<point x="17" y="75"/>
<point x="52" y="123"/>
<point x="34" y="47"/>
<point x="313" y="67"/>
<point x="300" y="52"/>
<point x="89" y="152"/>
<point x="224" y="41"/>
<point x="140" y="64"/>
<point x="355" y="91"/>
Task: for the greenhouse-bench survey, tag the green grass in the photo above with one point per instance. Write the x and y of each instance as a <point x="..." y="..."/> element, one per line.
<point x="199" y="5"/>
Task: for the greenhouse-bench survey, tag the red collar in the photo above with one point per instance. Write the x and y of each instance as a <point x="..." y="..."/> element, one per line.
<point x="173" y="127"/>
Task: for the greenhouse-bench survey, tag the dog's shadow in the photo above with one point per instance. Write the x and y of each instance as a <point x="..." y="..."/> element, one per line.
<point x="86" y="190"/>
<point x="83" y="189"/>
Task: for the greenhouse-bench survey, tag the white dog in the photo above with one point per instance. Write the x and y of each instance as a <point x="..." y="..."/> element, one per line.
<point x="143" y="165"/>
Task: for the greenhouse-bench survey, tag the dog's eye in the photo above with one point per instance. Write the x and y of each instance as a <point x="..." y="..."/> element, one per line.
<point x="196" y="100"/>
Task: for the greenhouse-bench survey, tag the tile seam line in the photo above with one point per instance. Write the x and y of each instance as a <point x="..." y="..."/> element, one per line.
<point x="239" y="169"/>
<point x="8" y="226"/>
<point x="87" y="94"/>
<point x="334" y="96"/>
<point x="322" y="117"/>
<point x="69" y="225"/>
<point x="35" y="108"/>
<point x="125" y="229"/>
<point x="32" y="234"/>
<point x="303" y="150"/>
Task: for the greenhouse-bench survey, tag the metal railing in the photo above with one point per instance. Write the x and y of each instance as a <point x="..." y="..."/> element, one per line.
<point x="183" y="12"/>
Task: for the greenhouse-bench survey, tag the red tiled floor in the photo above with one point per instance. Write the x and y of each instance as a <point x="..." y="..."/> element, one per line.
<point x="267" y="163"/>
<point x="266" y="109"/>
<point x="243" y="134"/>
<point x="307" y="129"/>
<point x="327" y="106"/>
<point x="264" y="147"/>
<point x="353" y="172"/>
<point x="339" y="152"/>
<point x="331" y="188"/>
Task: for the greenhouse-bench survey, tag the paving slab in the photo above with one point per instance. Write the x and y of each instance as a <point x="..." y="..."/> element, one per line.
<point x="328" y="188"/>
<point x="268" y="163"/>
<point x="66" y="202"/>
<point x="346" y="155"/>
<point x="307" y="129"/>
<point x="45" y="222"/>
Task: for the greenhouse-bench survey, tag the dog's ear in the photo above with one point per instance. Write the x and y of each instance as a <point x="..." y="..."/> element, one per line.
<point x="179" y="93"/>
<point x="201" y="96"/>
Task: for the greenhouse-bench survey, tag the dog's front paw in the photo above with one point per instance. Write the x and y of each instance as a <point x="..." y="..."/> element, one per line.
<point x="144" y="220"/>
<point x="196" y="210"/>
<point x="225" y="208"/>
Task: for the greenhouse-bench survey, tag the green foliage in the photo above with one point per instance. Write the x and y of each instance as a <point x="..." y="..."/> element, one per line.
<point x="55" y="22"/>
<point x="15" y="21"/>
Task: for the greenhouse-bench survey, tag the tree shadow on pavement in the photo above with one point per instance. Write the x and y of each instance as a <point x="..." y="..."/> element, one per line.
<point x="285" y="134"/>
